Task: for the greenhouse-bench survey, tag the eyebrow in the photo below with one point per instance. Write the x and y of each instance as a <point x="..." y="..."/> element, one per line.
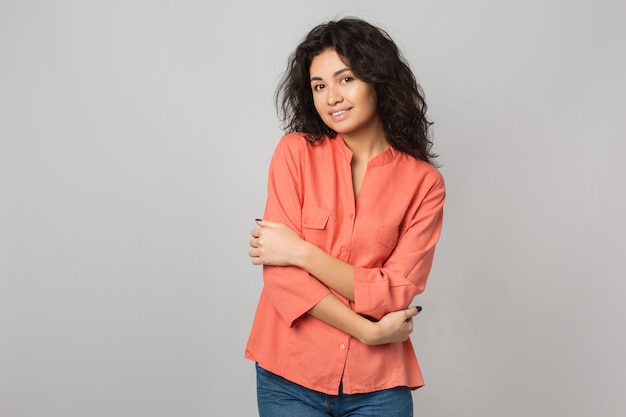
<point x="336" y="73"/>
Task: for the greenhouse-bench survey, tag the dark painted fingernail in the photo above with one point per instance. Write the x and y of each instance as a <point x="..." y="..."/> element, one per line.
<point x="419" y="308"/>
<point x="258" y="220"/>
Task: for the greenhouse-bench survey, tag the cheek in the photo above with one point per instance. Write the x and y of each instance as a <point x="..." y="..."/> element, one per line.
<point x="373" y="103"/>
<point x="318" y="106"/>
<point x="373" y="98"/>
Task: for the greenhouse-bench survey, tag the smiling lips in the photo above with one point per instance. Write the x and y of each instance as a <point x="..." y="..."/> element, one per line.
<point x="339" y="114"/>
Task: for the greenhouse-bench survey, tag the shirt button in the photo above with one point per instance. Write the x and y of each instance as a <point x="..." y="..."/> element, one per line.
<point x="343" y="249"/>
<point x="342" y="346"/>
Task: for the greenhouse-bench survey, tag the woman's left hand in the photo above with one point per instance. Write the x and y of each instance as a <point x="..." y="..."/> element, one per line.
<point x="275" y="244"/>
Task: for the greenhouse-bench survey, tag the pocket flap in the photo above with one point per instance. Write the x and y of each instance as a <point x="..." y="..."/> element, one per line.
<point x="314" y="217"/>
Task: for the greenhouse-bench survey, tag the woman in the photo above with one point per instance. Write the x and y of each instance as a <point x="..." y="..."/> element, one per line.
<point x="353" y="214"/>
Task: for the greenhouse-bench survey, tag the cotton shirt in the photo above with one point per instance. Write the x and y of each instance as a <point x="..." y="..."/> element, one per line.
<point x="388" y="234"/>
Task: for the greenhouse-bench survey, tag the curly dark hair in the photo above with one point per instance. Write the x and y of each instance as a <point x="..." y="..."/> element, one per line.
<point x="373" y="58"/>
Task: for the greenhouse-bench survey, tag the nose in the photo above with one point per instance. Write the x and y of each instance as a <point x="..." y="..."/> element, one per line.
<point x="333" y="95"/>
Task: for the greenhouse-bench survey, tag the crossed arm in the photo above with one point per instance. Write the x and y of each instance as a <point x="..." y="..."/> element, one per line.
<point x="276" y="245"/>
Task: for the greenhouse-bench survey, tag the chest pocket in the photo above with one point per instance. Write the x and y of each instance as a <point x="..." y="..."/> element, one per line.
<point x="388" y="237"/>
<point x="314" y="221"/>
<point x="387" y="240"/>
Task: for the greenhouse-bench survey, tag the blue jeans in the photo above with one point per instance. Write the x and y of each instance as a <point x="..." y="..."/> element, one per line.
<point x="278" y="397"/>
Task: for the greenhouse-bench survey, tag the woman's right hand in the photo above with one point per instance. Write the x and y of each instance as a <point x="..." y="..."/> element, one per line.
<point x="393" y="327"/>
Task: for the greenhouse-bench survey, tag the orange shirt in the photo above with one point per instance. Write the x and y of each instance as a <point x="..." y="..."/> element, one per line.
<point x="388" y="234"/>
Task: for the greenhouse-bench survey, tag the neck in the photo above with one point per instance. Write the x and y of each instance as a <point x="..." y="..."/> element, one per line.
<point x="366" y="145"/>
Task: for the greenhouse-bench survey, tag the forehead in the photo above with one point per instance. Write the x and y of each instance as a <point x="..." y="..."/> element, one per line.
<point x="327" y="63"/>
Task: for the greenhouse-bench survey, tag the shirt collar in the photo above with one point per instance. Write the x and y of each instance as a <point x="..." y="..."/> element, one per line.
<point x="381" y="159"/>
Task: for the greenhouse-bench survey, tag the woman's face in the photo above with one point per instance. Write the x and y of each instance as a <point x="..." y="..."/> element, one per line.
<point x="346" y="104"/>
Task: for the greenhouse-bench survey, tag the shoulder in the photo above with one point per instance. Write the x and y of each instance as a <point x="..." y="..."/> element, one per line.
<point x="292" y="150"/>
<point x="432" y="173"/>
<point x="293" y="141"/>
<point x="294" y="137"/>
<point x="291" y="147"/>
<point x="426" y="171"/>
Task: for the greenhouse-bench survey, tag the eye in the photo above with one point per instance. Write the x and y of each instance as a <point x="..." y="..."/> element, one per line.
<point x="318" y="87"/>
<point x="347" y="79"/>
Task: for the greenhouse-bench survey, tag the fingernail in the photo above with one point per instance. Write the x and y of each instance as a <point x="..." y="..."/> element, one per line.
<point x="419" y="308"/>
<point x="258" y="220"/>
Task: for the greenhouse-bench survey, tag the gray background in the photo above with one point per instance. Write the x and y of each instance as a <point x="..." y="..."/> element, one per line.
<point x="135" y="139"/>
